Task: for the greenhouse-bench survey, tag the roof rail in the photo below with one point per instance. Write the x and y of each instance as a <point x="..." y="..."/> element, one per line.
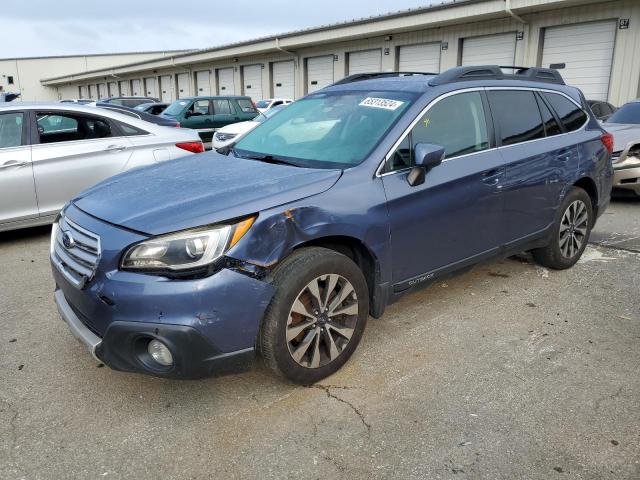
<point x="358" y="77"/>
<point x="494" y="72"/>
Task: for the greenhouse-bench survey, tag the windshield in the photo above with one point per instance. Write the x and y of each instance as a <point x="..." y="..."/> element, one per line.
<point x="176" y="107"/>
<point x="263" y="103"/>
<point x="327" y="130"/>
<point x="629" y="113"/>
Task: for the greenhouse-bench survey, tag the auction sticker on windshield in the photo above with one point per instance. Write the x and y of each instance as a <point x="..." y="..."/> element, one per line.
<point x="385" y="103"/>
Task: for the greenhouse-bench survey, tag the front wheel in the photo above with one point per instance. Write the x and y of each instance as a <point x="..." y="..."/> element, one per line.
<point x="571" y="232"/>
<point x="316" y="317"/>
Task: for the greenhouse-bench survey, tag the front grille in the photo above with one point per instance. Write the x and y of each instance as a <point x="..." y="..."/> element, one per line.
<point x="75" y="252"/>
<point x="223" y="137"/>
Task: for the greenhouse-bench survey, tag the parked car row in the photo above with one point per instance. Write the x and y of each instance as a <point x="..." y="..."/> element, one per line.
<point x="51" y="152"/>
<point x="624" y="124"/>
<point x="324" y="214"/>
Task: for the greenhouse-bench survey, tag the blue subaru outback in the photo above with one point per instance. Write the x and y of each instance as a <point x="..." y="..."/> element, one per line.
<point x="325" y="214"/>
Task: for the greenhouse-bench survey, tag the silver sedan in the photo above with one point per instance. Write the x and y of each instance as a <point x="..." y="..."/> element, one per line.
<point x="51" y="152"/>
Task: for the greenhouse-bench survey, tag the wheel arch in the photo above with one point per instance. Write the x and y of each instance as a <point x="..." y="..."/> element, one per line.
<point x="589" y="186"/>
<point x="357" y="251"/>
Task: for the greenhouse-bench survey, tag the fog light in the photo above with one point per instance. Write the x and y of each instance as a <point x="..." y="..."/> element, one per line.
<point x="160" y="353"/>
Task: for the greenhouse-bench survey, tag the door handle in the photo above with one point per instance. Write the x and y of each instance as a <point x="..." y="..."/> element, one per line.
<point x="492" y="177"/>
<point x="115" y="148"/>
<point x="12" y="164"/>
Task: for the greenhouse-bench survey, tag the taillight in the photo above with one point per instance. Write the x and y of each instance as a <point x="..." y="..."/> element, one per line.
<point x="193" y="147"/>
<point x="607" y="141"/>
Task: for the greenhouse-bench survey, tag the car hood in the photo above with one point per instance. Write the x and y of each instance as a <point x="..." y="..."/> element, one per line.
<point x="623" y="134"/>
<point x="199" y="190"/>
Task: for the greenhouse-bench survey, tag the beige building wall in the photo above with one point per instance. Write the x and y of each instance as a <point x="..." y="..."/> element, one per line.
<point x="27" y="72"/>
<point x="449" y="26"/>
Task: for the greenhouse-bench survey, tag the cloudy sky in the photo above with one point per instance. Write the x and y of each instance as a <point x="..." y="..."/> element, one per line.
<point x="61" y="27"/>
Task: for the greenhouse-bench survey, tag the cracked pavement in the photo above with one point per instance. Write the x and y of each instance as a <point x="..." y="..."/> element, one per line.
<point x="508" y="371"/>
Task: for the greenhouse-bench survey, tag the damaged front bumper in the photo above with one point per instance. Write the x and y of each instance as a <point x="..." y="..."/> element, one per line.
<point x="210" y="324"/>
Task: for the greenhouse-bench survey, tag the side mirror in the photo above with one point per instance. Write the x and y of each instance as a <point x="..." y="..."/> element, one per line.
<point x="427" y="156"/>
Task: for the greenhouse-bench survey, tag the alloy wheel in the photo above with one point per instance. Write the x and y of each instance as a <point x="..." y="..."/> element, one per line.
<point x="573" y="229"/>
<point x="322" y="321"/>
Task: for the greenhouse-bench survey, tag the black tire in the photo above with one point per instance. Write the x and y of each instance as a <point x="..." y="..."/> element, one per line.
<point x="291" y="279"/>
<point x="552" y="255"/>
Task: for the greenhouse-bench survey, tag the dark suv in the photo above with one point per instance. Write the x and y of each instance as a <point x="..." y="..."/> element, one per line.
<point x="208" y="114"/>
<point x="325" y="214"/>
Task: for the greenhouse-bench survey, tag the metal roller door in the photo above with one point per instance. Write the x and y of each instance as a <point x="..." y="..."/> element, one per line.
<point x="135" y="88"/>
<point x="102" y="90"/>
<point x="365" y="62"/>
<point x="586" y="50"/>
<point x="252" y="81"/>
<point x="226" y="85"/>
<point x="203" y="83"/>
<point x="183" y="85"/>
<point x="490" y="50"/>
<point x="166" y="89"/>
<point x="319" y="72"/>
<point x="150" y="88"/>
<point x="419" y="58"/>
<point x="284" y="83"/>
<point x="124" y="87"/>
<point x="112" y="88"/>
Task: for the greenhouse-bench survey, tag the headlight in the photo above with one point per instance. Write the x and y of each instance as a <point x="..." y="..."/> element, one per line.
<point x="185" y="250"/>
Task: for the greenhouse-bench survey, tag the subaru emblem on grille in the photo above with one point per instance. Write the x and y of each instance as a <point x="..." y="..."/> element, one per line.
<point x="67" y="240"/>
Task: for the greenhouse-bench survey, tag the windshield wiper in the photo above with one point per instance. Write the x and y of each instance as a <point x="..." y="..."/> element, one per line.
<point x="265" y="158"/>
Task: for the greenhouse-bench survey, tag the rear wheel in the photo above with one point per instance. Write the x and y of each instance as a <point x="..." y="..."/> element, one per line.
<point x="571" y="232"/>
<point x="317" y="315"/>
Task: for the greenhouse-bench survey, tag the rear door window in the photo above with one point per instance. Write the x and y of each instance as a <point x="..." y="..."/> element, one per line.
<point x="570" y="114"/>
<point x="517" y="116"/>
<point x="11" y="125"/>
<point x="551" y="126"/>
<point x="54" y="127"/>
<point x="222" y="107"/>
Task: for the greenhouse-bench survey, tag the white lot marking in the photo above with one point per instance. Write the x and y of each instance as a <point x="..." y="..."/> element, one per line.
<point x="592" y="255"/>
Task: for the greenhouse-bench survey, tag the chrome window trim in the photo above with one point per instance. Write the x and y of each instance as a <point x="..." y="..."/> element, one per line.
<point x="379" y="173"/>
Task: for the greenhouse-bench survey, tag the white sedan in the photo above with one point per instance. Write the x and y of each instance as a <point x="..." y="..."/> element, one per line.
<point x="51" y="152"/>
<point x="269" y="103"/>
<point x="232" y="133"/>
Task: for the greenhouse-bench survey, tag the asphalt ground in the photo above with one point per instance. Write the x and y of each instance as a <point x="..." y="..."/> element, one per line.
<point x="510" y="371"/>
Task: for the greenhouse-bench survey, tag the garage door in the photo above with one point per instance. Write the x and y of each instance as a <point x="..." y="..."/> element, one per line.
<point x="226" y="85"/>
<point x="203" y="83"/>
<point x="252" y="81"/>
<point x="124" y="87"/>
<point x="183" y="85"/>
<point x="102" y="90"/>
<point x="166" y="89"/>
<point x="319" y="72"/>
<point x="586" y="50"/>
<point x="112" y="88"/>
<point x="150" y="87"/>
<point x="284" y="84"/>
<point x="135" y="88"/>
<point x="490" y="50"/>
<point x="419" y="58"/>
<point x="365" y="62"/>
